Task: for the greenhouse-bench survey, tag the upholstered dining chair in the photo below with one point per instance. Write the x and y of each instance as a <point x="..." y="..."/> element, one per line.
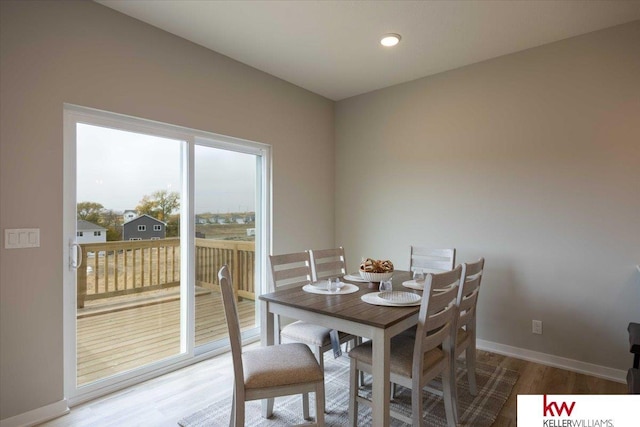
<point x="294" y="270"/>
<point x="267" y="372"/>
<point x="328" y="263"/>
<point x="466" y="326"/>
<point x="431" y="259"/>
<point x="417" y="360"/>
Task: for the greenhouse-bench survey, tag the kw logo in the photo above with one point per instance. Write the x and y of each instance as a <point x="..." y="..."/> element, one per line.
<point x="548" y="408"/>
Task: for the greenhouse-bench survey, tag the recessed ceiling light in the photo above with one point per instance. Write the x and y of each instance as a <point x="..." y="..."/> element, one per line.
<point x="389" y="40"/>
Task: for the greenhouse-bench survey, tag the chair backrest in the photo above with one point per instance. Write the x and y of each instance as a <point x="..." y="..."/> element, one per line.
<point x="233" y="324"/>
<point x="328" y="263"/>
<point x="290" y="270"/>
<point x="437" y="316"/>
<point x="468" y="293"/>
<point x="436" y="259"/>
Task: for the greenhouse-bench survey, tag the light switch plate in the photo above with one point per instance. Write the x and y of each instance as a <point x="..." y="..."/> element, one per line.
<point x="16" y="238"/>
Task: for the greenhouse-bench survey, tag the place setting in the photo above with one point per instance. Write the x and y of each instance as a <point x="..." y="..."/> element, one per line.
<point x="419" y="278"/>
<point x="417" y="283"/>
<point x="388" y="297"/>
<point x="381" y="271"/>
<point x="331" y="286"/>
<point x="355" y="277"/>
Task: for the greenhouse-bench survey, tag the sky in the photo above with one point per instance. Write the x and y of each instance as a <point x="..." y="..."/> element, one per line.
<point x="117" y="168"/>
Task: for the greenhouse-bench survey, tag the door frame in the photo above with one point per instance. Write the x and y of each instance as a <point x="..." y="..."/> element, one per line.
<point x="73" y="114"/>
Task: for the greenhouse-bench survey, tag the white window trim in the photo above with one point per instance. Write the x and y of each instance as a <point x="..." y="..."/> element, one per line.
<point x="76" y="114"/>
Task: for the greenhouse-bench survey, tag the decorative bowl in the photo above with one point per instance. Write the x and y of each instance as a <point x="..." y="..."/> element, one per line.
<point x="375" y="277"/>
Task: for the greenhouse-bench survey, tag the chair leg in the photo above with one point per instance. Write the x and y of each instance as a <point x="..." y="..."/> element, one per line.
<point x="305" y="406"/>
<point x="232" y="416"/>
<point x="320" y="404"/>
<point x="361" y="375"/>
<point x="237" y="413"/>
<point x="470" y="361"/>
<point x="416" y="404"/>
<point x="353" y="393"/>
<point x="448" y="392"/>
<point x="453" y="366"/>
<point x="317" y="351"/>
<point x="267" y="408"/>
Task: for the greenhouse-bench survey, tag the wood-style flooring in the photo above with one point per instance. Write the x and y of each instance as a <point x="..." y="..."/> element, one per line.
<point x="163" y="401"/>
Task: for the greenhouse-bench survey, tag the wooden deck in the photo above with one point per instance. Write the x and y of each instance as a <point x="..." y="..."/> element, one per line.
<point x="127" y="336"/>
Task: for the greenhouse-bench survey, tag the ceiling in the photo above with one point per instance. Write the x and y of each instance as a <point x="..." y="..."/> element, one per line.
<point x="331" y="47"/>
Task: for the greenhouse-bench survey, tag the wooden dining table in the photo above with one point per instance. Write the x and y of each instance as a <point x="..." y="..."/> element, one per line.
<point x="347" y="313"/>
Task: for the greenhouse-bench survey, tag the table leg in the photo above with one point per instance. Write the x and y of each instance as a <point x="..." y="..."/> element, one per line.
<point x="381" y="379"/>
<point x="266" y="339"/>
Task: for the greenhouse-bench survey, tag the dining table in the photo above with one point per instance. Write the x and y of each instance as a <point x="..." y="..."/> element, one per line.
<point x="346" y="312"/>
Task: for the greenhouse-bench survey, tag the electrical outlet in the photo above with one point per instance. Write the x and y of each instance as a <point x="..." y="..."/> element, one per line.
<point x="536" y="326"/>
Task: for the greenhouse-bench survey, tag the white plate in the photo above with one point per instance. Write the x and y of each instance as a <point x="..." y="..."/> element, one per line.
<point x="373" y="298"/>
<point x="419" y="286"/>
<point x="412" y="284"/>
<point x="348" y="288"/>
<point x="320" y="284"/>
<point x="355" y="277"/>
<point x="400" y="297"/>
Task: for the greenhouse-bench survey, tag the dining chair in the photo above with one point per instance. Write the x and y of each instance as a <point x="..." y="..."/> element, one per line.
<point x="271" y="371"/>
<point x="431" y="259"/>
<point x="294" y="270"/>
<point x="328" y="263"/>
<point x="467" y="301"/>
<point x="436" y="260"/>
<point x="417" y="360"/>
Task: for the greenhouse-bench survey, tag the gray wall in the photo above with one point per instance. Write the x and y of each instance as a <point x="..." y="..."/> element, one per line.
<point x="83" y="53"/>
<point x="531" y="160"/>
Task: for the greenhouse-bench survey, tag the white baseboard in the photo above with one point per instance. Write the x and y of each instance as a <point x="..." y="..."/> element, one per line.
<point x="617" y="375"/>
<point x="37" y="416"/>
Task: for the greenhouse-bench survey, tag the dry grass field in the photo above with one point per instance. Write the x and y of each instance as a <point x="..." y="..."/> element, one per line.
<point x="226" y="231"/>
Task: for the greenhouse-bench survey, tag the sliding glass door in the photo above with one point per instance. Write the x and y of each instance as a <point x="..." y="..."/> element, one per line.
<point x="152" y="211"/>
<point x="226" y="220"/>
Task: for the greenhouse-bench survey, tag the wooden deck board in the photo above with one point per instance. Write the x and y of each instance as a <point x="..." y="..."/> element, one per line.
<point x="117" y="341"/>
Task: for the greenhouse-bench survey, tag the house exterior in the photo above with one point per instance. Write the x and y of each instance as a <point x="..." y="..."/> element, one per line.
<point x="144" y="227"/>
<point x="88" y="232"/>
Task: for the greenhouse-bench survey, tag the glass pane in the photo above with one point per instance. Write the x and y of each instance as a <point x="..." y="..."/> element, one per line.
<point x="128" y="225"/>
<point x="225" y="226"/>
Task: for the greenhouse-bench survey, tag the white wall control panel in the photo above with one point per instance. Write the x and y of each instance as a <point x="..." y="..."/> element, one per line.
<point x="21" y="238"/>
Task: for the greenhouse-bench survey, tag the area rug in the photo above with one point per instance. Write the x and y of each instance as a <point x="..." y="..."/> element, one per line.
<point x="494" y="387"/>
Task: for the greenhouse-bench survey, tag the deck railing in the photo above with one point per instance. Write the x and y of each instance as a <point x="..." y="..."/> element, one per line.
<point x="112" y="269"/>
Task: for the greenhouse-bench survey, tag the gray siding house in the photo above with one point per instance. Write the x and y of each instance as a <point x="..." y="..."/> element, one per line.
<point x="144" y="227"/>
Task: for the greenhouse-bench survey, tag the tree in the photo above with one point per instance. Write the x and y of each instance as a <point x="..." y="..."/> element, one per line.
<point x="89" y="211"/>
<point x="160" y="205"/>
<point x="112" y="221"/>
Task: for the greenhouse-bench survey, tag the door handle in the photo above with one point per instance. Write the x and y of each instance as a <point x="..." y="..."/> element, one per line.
<point x="75" y="262"/>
